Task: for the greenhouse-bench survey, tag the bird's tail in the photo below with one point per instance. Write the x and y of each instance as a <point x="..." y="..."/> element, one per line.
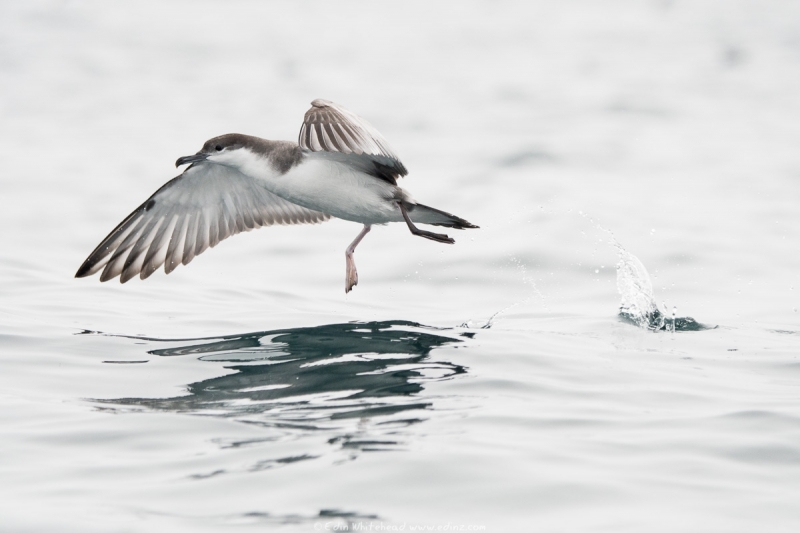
<point x="423" y="214"/>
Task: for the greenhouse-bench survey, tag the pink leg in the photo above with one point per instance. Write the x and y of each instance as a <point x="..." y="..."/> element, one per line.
<point x="351" y="277"/>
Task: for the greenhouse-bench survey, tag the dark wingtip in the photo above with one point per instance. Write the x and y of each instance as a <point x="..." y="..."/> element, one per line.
<point x="83" y="271"/>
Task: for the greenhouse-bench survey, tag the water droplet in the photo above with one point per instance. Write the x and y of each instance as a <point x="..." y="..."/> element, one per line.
<point x="596" y="271"/>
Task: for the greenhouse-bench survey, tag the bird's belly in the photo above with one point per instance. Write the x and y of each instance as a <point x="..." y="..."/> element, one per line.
<point x="338" y="190"/>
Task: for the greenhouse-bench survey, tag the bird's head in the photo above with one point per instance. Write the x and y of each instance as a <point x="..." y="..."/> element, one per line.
<point x="232" y="149"/>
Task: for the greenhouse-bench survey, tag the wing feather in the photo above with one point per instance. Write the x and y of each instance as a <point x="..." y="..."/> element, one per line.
<point x="117" y="261"/>
<point x="137" y="255"/>
<point x="175" y="248"/>
<point x="189" y="239"/>
<point x="185" y="217"/>
<point x="201" y="242"/>
<point x="157" y="253"/>
<point x="104" y="253"/>
<point x="329" y="127"/>
<point x="213" y="232"/>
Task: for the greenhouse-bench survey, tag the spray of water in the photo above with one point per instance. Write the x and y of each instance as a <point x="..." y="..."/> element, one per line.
<point x="534" y="292"/>
<point x="637" y="301"/>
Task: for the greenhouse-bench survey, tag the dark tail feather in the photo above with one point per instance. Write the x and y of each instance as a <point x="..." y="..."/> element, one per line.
<point x="422" y="214"/>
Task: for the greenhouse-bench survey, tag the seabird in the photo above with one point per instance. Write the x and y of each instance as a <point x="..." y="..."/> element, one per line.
<point x="341" y="167"/>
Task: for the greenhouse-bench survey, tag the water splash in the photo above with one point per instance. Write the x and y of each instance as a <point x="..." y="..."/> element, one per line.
<point x="637" y="301"/>
<point x="534" y="292"/>
<point x="472" y="324"/>
<point x="637" y="304"/>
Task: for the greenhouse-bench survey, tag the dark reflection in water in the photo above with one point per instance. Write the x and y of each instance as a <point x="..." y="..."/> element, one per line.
<point x="335" y="377"/>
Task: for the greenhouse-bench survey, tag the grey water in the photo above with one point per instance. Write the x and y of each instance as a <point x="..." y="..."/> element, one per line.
<point x="542" y="374"/>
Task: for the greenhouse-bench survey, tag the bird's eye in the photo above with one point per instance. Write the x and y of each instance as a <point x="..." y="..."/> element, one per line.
<point x="218" y="148"/>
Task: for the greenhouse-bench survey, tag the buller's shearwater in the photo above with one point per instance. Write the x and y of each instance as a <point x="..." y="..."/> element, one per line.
<point x="341" y="167"/>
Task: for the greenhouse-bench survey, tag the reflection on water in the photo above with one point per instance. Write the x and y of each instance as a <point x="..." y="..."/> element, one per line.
<point x="361" y="381"/>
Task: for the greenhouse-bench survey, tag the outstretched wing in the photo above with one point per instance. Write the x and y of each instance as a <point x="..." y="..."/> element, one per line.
<point x="328" y="127"/>
<point x="196" y="210"/>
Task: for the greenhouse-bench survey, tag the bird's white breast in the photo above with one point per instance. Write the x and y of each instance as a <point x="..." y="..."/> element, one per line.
<point x="334" y="188"/>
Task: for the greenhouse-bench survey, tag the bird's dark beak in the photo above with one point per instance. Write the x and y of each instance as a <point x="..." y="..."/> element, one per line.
<point x="199" y="156"/>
